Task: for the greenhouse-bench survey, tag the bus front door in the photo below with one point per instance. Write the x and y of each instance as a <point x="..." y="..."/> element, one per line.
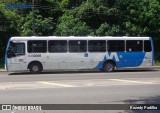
<point x="16" y="59"/>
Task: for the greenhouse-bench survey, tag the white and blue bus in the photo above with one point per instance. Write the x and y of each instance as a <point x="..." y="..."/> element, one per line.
<point x="38" y="54"/>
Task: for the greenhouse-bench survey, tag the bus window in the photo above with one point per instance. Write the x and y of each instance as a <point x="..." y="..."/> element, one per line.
<point x="134" y="45"/>
<point x="39" y="46"/>
<point x="147" y="46"/>
<point x="11" y="46"/>
<point x="77" y="46"/>
<point x="16" y="49"/>
<point x="115" y="45"/>
<point x="19" y="49"/>
<point x="97" y="46"/>
<point x="56" y="46"/>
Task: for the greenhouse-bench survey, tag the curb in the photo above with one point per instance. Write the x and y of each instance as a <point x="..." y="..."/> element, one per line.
<point x="139" y="68"/>
<point x="152" y="67"/>
<point x="2" y="70"/>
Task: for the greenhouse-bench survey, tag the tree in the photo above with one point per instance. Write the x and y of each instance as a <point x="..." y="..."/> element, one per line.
<point x="107" y="30"/>
<point x="70" y="26"/>
<point x="43" y="26"/>
<point x="8" y="26"/>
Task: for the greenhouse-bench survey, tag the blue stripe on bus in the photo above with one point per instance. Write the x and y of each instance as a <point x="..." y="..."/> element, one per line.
<point x="5" y="58"/>
<point x="126" y="59"/>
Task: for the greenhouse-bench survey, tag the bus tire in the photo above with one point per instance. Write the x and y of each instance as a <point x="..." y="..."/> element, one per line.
<point x="35" y="68"/>
<point x="108" y="66"/>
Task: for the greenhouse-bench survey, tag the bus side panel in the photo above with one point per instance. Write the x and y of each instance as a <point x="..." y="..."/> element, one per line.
<point x="39" y="57"/>
<point x="56" y="61"/>
<point x="147" y="61"/>
<point x="96" y="60"/>
<point x="149" y="58"/>
<point x="109" y="56"/>
<point x="123" y="59"/>
<point x="130" y="59"/>
<point x="78" y="61"/>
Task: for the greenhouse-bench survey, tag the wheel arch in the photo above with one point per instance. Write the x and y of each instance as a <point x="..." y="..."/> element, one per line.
<point x="35" y="61"/>
<point x="110" y="60"/>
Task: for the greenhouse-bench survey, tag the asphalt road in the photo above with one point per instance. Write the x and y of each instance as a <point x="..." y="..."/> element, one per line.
<point x="86" y="87"/>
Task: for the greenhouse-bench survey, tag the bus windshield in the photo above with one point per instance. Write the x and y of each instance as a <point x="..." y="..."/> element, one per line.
<point x="16" y="49"/>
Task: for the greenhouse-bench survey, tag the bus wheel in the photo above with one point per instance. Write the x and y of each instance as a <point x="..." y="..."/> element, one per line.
<point x="35" y="68"/>
<point x="108" y="66"/>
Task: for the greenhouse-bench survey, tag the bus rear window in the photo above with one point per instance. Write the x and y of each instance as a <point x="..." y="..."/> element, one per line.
<point x="147" y="46"/>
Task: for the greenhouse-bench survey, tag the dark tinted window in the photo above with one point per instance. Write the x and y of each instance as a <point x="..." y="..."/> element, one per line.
<point x="15" y="49"/>
<point x="19" y="48"/>
<point x="147" y="46"/>
<point x="57" y="46"/>
<point x="96" y="45"/>
<point x="39" y="46"/>
<point x="134" y="45"/>
<point x="77" y="46"/>
<point x="115" y="45"/>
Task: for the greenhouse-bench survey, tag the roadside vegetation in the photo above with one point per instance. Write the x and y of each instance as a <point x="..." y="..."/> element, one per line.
<point x="1" y="64"/>
<point x="157" y="63"/>
<point x="81" y="18"/>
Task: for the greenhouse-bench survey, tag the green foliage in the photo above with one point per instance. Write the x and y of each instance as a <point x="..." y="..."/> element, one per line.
<point x="107" y="30"/>
<point x="143" y="18"/>
<point x="69" y="4"/>
<point x="69" y="26"/>
<point x="8" y="27"/>
<point x="63" y="3"/>
<point x="81" y="18"/>
<point x="8" y="21"/>
<point x="43" y="26"/>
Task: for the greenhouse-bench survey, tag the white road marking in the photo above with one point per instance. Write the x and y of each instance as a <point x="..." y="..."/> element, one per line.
<point x="131" y="81"/>
<point x="77" y="83"/>
<point x="55" y="84"/>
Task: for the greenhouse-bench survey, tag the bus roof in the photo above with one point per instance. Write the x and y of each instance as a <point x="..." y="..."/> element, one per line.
<point x="78" y="38"/>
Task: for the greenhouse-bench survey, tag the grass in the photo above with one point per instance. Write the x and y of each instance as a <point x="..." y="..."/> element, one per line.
<point x="157" y="63"/>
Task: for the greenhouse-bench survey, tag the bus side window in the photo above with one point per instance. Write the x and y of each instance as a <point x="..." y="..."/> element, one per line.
<point x="77" y="46"/>
<point x="57" y="46"/>
<point x="37" y="46"/>
<point x="134" y="45"/>
<point x="97" y="46"/>
<point x="147" y="46"/>
<point x="115" y="45"/>
<point x="20" y="48"/>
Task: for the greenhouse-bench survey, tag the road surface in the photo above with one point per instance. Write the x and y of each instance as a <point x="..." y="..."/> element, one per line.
<point x="81" y="87"/>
